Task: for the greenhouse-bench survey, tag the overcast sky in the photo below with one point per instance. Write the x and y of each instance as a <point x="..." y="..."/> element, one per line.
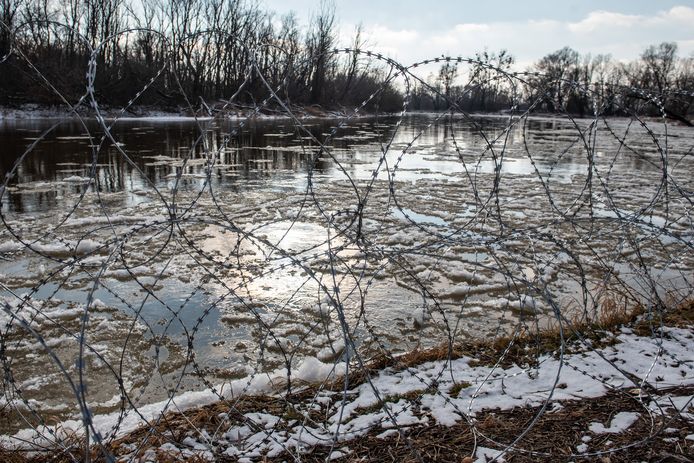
<point x="412" y="30"/>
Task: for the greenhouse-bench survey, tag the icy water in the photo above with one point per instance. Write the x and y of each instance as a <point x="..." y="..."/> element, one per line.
<point x="177" y="255"/>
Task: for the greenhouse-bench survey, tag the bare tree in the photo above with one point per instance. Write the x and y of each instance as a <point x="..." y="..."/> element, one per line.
<point x="320" y="42"/>
<point x="557" y="71"/>
<point x="8" y="13"/>
<point x="488" y="90"/>
<point x="659" y="65"/>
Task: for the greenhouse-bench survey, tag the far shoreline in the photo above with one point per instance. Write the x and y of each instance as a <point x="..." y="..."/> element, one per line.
<point x="38" y="112"/>
<point x="32" y="111"/>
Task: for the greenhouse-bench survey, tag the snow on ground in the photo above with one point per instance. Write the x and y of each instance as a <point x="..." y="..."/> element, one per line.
<point x="620" y="423"/>
<point x="485" y="454"/>
<point x="633" y="362"/>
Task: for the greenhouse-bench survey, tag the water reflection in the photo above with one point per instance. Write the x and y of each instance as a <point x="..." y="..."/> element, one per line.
<point x="156" y="153"/>
<point x="267" y="153"/>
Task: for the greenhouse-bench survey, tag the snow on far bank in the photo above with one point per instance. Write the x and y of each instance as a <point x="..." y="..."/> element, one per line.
<point x="33" y="111"/>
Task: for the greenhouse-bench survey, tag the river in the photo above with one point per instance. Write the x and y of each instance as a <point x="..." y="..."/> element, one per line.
<point x="173" y="255"/>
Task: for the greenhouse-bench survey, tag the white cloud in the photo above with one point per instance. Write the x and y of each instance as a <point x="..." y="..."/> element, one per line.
<point x="622" y="35"/>
<point x="465" y="28"/>
<point x="391" y="42"/>
<point x="602" y="20"/>
<point x="682" y="14"/>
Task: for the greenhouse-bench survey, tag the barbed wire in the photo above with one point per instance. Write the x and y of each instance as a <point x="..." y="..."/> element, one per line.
<point x="509" y="227"/>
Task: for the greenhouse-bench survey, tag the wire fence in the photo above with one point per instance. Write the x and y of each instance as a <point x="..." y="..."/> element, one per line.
<point x="273" y="283"/>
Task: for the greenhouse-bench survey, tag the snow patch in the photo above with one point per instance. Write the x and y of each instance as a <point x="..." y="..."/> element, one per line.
<point x="620" y="423"/>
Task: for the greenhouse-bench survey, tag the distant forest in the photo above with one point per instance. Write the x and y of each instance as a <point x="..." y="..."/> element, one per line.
<point x="200" y="53"/>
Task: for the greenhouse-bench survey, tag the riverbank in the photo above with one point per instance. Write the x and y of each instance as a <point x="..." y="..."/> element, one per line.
<point x="616" y="389"/>
<point x="145" y="113"/>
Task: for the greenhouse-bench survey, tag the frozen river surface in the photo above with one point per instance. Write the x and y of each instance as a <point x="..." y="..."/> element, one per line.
<point x="172" y="256"/>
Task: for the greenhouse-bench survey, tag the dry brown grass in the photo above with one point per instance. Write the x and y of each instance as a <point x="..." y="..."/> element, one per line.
<point x="555" y="436"/>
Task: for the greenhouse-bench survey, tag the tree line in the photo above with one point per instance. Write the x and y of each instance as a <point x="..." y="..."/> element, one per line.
<point x="196" y="48"/>
<point x="203" y="50"/>
<point x="659" y="82"/>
